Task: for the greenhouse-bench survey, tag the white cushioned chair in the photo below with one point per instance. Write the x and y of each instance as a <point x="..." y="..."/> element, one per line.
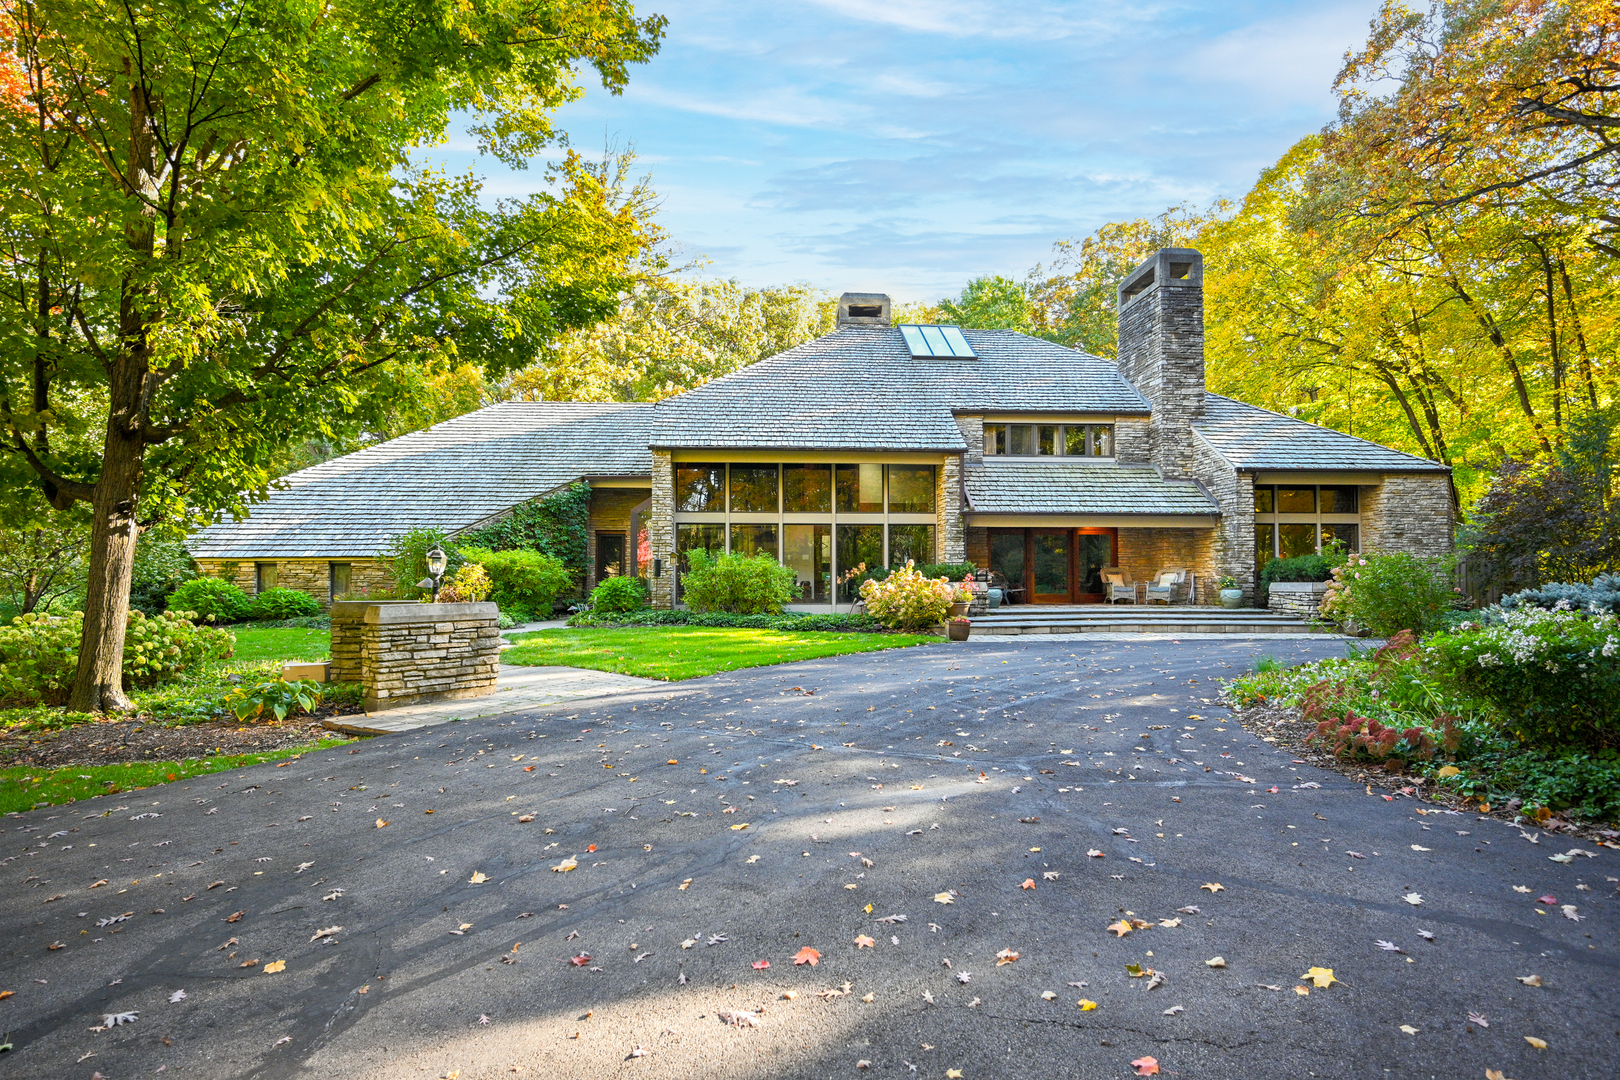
<point x="1119" y="583"/>
<point x="1166" y="585"/>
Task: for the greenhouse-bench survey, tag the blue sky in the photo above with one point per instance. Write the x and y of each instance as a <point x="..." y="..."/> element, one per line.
<point x="904" y="146"/>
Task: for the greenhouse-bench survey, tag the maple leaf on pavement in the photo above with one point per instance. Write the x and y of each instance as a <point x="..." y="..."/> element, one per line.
<point x="807" y="955"/>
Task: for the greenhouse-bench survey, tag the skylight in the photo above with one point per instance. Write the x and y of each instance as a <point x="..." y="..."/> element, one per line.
<point x="937" y="341"/>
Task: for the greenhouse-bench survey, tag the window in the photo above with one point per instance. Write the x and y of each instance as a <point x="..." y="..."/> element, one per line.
<point x="1074" y="440"/>
<point x="1348" y="535"/>
<point x="1049" y="440"/>
<point x="914" y="542"/>
<point x="609" y="555"/>
<point x="700" y="488"/>
<point x="807" y="550"/>
<point x="860" y="489"/>
<point x="753" y="489"/>
<point x="1022" y="438"/>
<point x="753" y="540"/>
<point x="710" y="538"/>
<point x="995" y="438"/>
<point x="1339" y="500"/>
<point x="1046" y="439"/>
<point x="807" y="489"/>
<point x="911" y="489"/>
<point x="264" y="576"/>
<point x="1296" y="500"/>
<point x="858" y="544"/>
<point x="1102" y="440"/>
<point x="1296" y="540"/>
<point x="1264" y="503"/>
<point x="338" y="576"/>
<point x="1265" y="542"/>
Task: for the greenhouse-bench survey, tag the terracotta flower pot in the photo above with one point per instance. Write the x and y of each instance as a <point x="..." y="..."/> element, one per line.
<point x="957" y="631"/>
<point x="959" y="609"/>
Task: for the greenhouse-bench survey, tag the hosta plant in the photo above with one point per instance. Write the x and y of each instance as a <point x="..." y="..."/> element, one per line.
<point x="250" y="701"/>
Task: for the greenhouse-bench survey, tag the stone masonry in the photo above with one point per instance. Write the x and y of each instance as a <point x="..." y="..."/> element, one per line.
<point x="1161" y="350"/>
<point x="1302" y="599"/>
<point x="661" y="529"/>
<point x="1410" y="512"/>
<point x="404" y="653"/>
<point x="1233" y="541"/>
<point x="313" y="576"/>
<point x="949" y="547"/>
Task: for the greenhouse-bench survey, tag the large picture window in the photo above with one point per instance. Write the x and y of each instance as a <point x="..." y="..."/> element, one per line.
<point x="807" y="549"/>
<point x="753" y="540"/>
<point x="858" y="544"/>
<point x="1291" y="520"/>
<point x="860" y="489"/>
<point x="807" y="489"/>
<point x="914" y="542"/>
<point x="700" y="488"/>
<point x="1049" y="440"/>
<point x="911" y="489"/>
<point x="753" y="489"/>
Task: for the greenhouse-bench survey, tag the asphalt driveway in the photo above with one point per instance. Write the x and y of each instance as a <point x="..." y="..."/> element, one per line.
<point x="621" y="888"/>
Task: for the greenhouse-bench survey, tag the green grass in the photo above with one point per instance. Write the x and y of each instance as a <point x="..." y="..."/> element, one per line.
<point x="688" y="652"/>
<point x="24" y="788"/>
<point x="278" y="644"/>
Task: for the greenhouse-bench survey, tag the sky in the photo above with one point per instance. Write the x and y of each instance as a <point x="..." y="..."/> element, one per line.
<point x="906" y="146"/>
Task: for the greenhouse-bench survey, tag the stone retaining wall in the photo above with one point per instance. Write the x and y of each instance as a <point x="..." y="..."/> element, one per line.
<point x="1302" y="599"/>
<point x="406" y="653"/>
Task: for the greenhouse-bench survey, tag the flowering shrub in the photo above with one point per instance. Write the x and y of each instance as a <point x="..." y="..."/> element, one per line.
<point x="1385" y="594"/>
<point x="39" y="653"/>
<point x="905" y="600"/>
<point x="1554" y="675"/>
<point x="468" y="585"/>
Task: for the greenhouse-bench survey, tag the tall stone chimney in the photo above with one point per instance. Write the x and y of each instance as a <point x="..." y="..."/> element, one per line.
<point x="1161" y="350"/>
<point x="863" y="309"/>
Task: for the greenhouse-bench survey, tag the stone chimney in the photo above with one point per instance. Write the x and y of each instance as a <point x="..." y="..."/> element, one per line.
<point x="1161" y="350"/>
<point x="863" y="309"/>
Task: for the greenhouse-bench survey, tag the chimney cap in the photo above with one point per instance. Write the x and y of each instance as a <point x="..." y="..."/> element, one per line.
<point x="1169" y="267"/>
<point x="863" y="309"/>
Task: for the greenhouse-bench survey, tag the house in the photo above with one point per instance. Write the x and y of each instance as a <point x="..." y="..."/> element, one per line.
<point x="880" y="443"/>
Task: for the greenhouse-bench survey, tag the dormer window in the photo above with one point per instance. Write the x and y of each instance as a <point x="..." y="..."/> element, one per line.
<point x="1049" y="440"/>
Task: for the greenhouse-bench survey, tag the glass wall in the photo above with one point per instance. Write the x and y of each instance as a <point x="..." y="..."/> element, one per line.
<point x="1049" y="440"/>
<point x="753" y="489"/>
<point x="1298" y="519"/>
<point x="857" y="545"/>
<point x="808" y="550"/>
<point x="807" y="489"/>
<point x="700" y="488"/>
<point x="914" y="542"/>
<point x="860" y="489"/>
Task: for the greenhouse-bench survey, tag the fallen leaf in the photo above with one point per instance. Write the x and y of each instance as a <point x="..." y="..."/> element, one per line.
<point x="1521" y="888"/>
<point x="1214" y="886"/>
<point x="1420" y="847"/>
<point x="944" y="898"/>
<point x="1029" y="883"/>
<point x="275" y="966"/>
<point x="235" y="916"/>
<point x="1005" y="956"/>
<point x="1095" y="854"/>
<point x="1539" y="1044"/>
<point x="1413" y="898"/>
<point x="761" y="965"/>
<point x="525" y="818"/>
<point x="1478" y="1018"/>
<point x="1120" y="928"/>
<point x="789" y="995"/>
<point x="1389" y="946"/>
<point x="863" y="942"/>
<point x="112" y="1020"/>
<point x="381" y="823"/>
<point x="1050" y="875"/>
<point x="1321" y="976"/>
<point x="1569" y="912"/>
<point x="328" y="932"/>
<point x="1174" y="1009"/>
<point x="679" y="888"/>
<point x="1529" y="980"/>
<point x="581" y="960"/>
<point x="807" y="955"/>
<point x="1215" y="962"/>
<point x="1448" y="770"/>
<point x="739" y="1017"/>
<point x="1302" y="991"/>
<point x="1495" y="1074"/>
<point x="1172" y="923"/>
<point x="953" y="1074"/>
<point x="566" y="865"/>
<point x="1190" y="909"/>
<point x="1548" y="899"/>
<point x="1086" y="1005"/>
<point x="1048" y="995"/>
<point x="478" y="878"/>
<point x="739" y="828"/>
<point x="1146" y="1066"/>
<point x="1409" y="1029"/>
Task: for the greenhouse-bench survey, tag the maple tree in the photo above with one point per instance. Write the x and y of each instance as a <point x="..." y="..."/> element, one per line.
<point x="217" y="240"/>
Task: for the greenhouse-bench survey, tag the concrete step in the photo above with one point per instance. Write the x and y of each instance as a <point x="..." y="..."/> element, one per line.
<point x="1099" y="618"/>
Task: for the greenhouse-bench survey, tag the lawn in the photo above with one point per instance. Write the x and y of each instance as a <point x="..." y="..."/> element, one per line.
<point x="278" y="644"/>
<point x="23" y="788"/>
<point x="673" y="653"/>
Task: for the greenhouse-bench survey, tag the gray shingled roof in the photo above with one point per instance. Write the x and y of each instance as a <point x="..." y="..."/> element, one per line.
<point x="1021" y="486"/>
<point x="449" y="476"/>
<point x="860" y="389"/>
<point x="1254" y="438"/>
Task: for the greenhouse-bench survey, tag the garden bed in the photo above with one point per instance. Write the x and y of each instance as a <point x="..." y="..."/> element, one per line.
<point x="108" y="742"/>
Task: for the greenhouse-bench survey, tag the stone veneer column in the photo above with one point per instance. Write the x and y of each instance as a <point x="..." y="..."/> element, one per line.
<point x="1411" y="513"/>
<point x="661" y="528"/>
<point x="949" y="545"/>
<point x="404" y="653"/>
<point x="1233" y="542"/>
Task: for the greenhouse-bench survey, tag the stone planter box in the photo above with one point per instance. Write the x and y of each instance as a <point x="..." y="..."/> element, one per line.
<point x="1302" y="599"/>
<point x="405" y="652"/>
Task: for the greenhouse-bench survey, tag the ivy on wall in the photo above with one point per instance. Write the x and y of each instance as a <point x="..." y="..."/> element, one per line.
<point x="555" y="525"/>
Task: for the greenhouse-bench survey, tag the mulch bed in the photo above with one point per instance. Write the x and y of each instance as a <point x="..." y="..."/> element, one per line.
<point x="112" y="742"/>
<point x="1285" y="727"/>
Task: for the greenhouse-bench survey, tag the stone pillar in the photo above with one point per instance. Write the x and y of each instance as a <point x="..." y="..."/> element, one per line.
<point x="661" y="529"/>
<point x="1161" y="350"/>
<point x="404" y="653"/>
<point x="948" y="511"/>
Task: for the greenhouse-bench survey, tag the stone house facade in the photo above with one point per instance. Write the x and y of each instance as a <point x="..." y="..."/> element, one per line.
<point x="879" y="443"/>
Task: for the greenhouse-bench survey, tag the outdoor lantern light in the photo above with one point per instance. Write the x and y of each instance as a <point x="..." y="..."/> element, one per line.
<point x="437" y="561"/>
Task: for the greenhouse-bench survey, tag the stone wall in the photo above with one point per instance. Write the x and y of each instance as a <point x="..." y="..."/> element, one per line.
<point x="976" y="546"/>
<point x="1408" y="513"/>
<point x="1233" y="540"/>
<point x="1133" y="441"/>
<point x="1161" y="350"/>
<point x="404" y="653"/>
<point x="948" y="544"/>
<point x="313" y="576"/>
<point x="1144" y="552"/>
<point x="610" y="512"/>
<point x="661" y="529"/>
<point x="1302" y="599"/>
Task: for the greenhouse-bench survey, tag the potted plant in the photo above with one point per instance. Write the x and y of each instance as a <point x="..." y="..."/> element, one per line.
<point x="957" y="628"/>
<point x="1231" y="595"/>
<point x="962" y="599"/>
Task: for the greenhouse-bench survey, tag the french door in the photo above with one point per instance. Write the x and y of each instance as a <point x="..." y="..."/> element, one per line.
<point x="1053" y="566"/>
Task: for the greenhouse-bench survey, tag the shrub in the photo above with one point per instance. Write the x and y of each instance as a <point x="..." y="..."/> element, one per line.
<point x="906" y="600"/>
<point x="213" y="599"/>
<point x="469" y="585"/>
<point x="250" y="700"/>
<point x="618" y="594"/>
<point x="1554" y="675"/>
<point x="834" y="622"/>
<point x="407" y="557"/>
<point x="953" y="571"/>
<point x="39" y="653"/>
<point x="283" y="604"/>
<point x="1299" y="568"/>
<point x="1385" y="594"/>
<point x="521" y="580"/>
<point x="555" y="525"/>
<point x="1602" y="596"/>
<point x="162" y="565"/>
<point x="739" y="584"/>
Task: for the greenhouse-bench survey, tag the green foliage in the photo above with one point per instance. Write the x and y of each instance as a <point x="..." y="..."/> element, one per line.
<point x="468" y="585"/>
<point x="1553" y="675"/>
<point x="836" y="621"/>
<point x="990" y="303"/>
<point x="250" y="700"/>
<point x="1385" y="594"/>
<point x="211" y="598"/>
<point x="685" y="652"/>
<point x="1299" y="568"/>
<point x="1602" y="596"/>
<point x="39" y="653"/>
<point x="906" y="600"/>
<point x="407" y="559"/>
<point x="162" y="565"/>
<point x="554" y="525"/>
<point x="284" y="604"/>
<point x="740" y="584"/>
<point x="619" y="593"/>
<point x="42" y="563"/>
<point x="952" y="571"/>
<point x="523" y="580"/>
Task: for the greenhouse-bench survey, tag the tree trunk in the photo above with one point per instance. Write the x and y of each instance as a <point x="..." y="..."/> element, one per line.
<point x="98" y="685"/>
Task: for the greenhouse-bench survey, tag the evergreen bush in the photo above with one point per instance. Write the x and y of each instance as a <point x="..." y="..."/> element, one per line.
<point x="618" y="594"/>
<point x="213" y="599"/>
<point x="524" y="583"/>
<point x="738" y="584"/>
<point x="1600" y="597"/>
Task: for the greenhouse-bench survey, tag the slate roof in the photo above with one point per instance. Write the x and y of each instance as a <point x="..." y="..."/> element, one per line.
<point x="1250" y="438"/>
<point x="1022" y="486"/>
<point x="859" y="388"/>
<point x="449" y="476"/>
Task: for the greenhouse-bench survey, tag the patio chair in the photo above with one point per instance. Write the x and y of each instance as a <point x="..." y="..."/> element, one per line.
<point x="1165" y="586"/>
<point x="1120" y="585"/>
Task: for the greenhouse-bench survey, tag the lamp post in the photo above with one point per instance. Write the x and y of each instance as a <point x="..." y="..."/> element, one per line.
<point x="437" y="561"/>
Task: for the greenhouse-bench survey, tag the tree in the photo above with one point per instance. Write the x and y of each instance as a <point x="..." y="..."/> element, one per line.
<point x="989" y="303"/>
<point x="217" y="243"/>
<point x="43" y="564"/>
<point x="1493" y="101"/>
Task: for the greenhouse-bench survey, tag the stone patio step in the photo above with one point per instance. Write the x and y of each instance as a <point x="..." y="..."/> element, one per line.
<point x="1098" y="618"/>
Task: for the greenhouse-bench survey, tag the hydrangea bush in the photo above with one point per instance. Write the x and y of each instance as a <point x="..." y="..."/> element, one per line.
<point x="39" y="653"/>
<point x="906" y="600"/>
<point x="1383" y="594"/>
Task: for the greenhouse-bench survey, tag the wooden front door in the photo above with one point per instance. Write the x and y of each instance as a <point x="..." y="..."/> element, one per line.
<point x="1053" y="566"/>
